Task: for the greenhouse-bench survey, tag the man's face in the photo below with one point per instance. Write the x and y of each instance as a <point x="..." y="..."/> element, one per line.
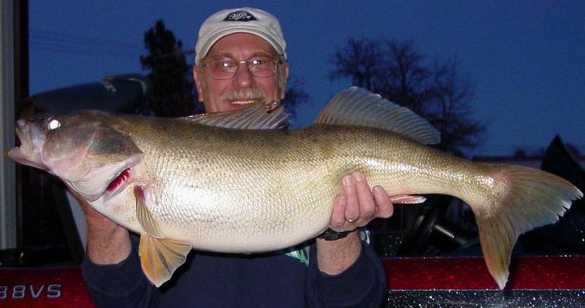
<point x="218" y="95"/>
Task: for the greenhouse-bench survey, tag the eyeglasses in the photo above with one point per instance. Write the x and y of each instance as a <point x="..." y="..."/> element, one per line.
<point x="226" y="68"/>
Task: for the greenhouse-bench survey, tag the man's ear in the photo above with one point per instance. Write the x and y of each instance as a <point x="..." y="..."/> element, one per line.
<point x="284" y="82"/>
<point x="198" y="83"/>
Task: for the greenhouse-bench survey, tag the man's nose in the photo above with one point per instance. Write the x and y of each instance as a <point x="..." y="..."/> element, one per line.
<point x="243" y="76"/>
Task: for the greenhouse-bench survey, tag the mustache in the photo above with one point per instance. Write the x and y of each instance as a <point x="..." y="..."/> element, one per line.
<point x="249" y="94"/>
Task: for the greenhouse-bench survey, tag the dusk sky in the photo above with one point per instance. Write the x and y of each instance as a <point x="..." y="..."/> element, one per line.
<point x="525" y="58"/>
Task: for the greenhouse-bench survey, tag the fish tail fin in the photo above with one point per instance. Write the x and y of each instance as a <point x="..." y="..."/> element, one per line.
<point x="520" y="199"/>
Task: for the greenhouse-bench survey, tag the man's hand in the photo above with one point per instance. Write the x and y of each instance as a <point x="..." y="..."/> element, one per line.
<point x="107" y="242"/>
<point x="356" y="207"/>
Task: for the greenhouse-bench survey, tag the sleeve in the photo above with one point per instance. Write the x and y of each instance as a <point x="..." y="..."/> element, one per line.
<point x="362" y="285"/>
<point x="119" y="285"/>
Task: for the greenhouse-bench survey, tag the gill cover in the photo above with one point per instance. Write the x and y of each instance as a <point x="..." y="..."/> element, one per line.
<point x="87" y="152"/>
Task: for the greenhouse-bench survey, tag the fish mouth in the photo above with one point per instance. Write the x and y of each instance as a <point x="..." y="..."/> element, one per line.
<point x="28" y="144"/>
<point x="17" y="142"/>
<point x="19" y="156"/>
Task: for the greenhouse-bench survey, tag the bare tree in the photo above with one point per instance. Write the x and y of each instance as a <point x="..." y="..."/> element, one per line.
<point x="398" y="72"/>
<point x="451" y="98"/>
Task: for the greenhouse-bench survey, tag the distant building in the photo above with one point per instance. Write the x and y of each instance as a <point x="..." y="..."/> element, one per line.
<point x="534" y="160"/>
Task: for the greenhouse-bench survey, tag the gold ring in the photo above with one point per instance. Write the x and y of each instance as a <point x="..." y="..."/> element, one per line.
<point x="272" y="106"/>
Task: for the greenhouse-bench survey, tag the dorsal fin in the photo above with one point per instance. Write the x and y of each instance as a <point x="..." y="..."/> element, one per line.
<point x="253" y="117"/>
<point x="358" y="107"/>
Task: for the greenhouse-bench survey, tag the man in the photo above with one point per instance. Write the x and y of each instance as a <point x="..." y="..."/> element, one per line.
<point x="241" y="59"/>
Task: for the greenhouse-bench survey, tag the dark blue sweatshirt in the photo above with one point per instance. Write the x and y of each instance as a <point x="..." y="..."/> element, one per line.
<point x="255" y="281"/>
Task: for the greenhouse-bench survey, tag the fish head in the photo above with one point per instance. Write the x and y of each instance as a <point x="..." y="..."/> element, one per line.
<point x="85" y="150"/>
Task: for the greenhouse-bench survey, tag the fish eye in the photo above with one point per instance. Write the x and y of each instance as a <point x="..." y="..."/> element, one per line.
<point x="54" y="124"/>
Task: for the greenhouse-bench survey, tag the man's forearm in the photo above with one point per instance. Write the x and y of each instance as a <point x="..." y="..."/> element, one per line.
<point x="334" y="257"/>
<point x="107" y="244"/>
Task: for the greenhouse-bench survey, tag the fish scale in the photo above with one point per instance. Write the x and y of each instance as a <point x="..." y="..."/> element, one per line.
<point x="259" y="195"/>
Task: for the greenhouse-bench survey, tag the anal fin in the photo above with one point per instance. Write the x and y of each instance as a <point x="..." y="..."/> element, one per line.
<point x="160" y="258"/>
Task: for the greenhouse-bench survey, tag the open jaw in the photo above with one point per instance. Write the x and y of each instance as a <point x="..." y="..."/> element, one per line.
<point x="26" y="151"/>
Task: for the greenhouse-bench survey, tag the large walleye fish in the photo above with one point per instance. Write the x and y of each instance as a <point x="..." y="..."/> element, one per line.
<point x="218" y="182"/>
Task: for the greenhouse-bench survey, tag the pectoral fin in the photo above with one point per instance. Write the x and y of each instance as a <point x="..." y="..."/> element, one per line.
<point x="159" y="256"/>
<point x="143" y="214"/>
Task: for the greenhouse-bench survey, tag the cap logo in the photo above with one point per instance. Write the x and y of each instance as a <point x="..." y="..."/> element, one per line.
<point x="240" y="16"/>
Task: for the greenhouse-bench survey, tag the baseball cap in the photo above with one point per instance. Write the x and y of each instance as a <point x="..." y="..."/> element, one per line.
<point x="246" y="19"/>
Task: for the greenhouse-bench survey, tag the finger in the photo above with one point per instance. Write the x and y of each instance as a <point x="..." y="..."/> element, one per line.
<point x="271" y="106"/>
<point x="384" y="207"/>
<point x="352" y="211"/>
<point x="367" y="207"/>
<point x="338" y="214"/>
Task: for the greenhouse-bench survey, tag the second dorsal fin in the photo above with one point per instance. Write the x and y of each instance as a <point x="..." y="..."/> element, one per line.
<point x="358" y="107"/>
